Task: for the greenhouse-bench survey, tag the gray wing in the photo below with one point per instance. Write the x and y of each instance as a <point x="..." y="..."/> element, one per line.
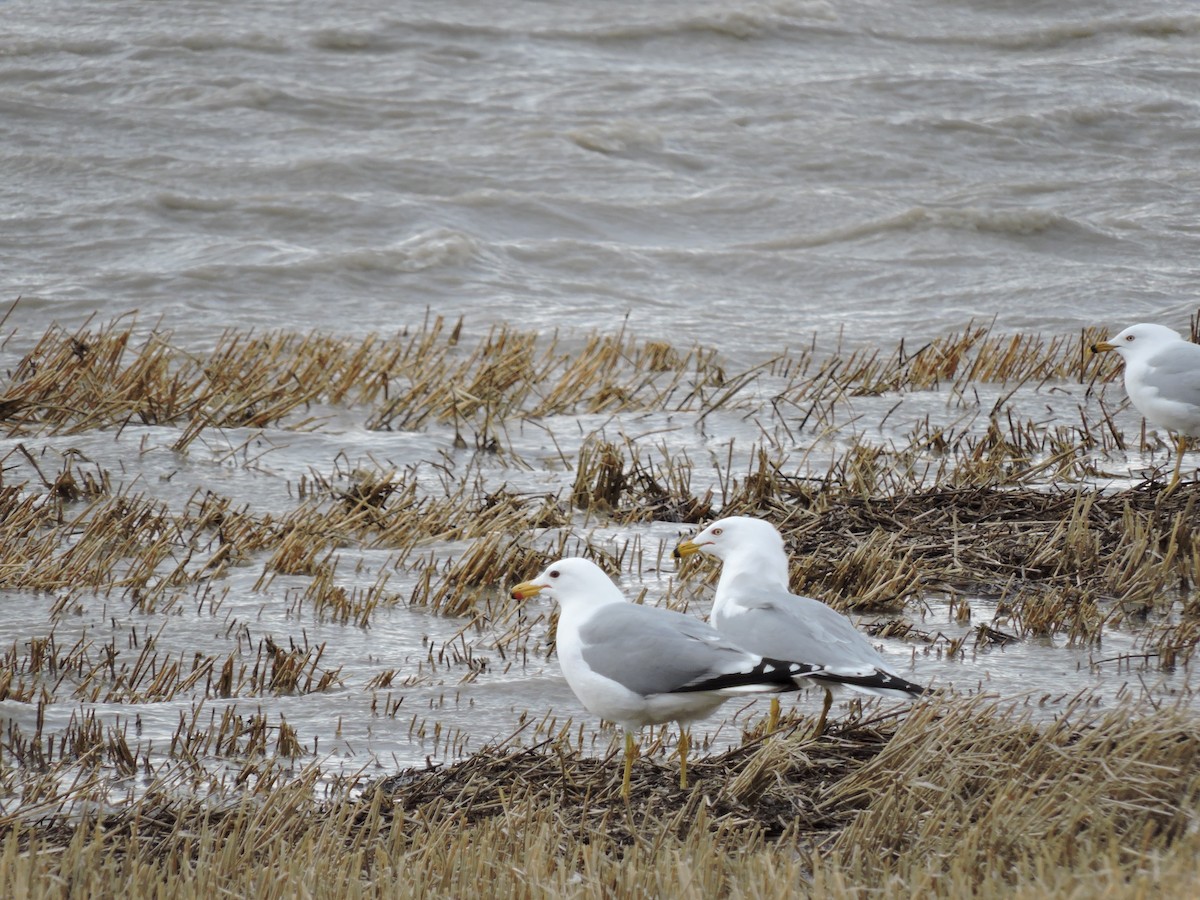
<point x="774" y="622"/>
<point x="1175" y="372"/>
<point x="656" y="651"/>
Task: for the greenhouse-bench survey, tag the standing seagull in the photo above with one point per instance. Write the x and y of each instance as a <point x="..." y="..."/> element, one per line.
<point x="754" y="608"/>
<point x="641" y="665"/>
<point x="1162" y="379"/>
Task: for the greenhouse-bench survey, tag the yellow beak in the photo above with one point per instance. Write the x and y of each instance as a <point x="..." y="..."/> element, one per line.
<point x="686" y="548"/>
<point x="1102" y="346"/>
<point x="525" y="590"/>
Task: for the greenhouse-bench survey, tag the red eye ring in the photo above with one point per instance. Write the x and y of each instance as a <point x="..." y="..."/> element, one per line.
<point x="717" y="531"/>
<point x="554" y="574"/>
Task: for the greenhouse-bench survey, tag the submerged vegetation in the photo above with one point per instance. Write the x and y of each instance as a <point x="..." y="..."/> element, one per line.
<point x="977" y="469"/>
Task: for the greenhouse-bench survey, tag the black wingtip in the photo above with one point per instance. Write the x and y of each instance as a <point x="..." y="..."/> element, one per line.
<point x="779" y="674"/>
<point x="878" y="679"/>
<point x="784" y="675"/>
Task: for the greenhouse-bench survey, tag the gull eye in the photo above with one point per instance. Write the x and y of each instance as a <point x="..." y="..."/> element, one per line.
<point x="554" y="573"/>
<point x="1129" y="337"/>
<point x="717" y="531"/>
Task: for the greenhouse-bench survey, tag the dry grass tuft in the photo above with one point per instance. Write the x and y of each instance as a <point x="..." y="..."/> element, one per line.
<point x="961" y="798"/>
<point x="976" y="796"/>
<point x="636" y="490"/>
<point x="480" y="577"/>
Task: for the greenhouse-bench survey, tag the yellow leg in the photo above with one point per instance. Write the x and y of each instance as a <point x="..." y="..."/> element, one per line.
<point x="773" y="716"/>
<point x="629" y="752"/>
<point x="684" y="740"/>
<point x="817" y="732"/>
<point x="1180" y="443"/>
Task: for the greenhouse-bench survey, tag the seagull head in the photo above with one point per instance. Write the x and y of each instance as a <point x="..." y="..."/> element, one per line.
<point x="734" y="535"/>
<point x="1138" y="341"/>
<point x="569" y="581"/>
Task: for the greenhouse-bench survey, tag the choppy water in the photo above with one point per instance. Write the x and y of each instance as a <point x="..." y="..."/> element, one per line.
<point x="746" y="175"/>
<point x="884" y="167"/>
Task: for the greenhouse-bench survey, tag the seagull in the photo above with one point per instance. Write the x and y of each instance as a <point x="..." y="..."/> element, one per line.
<point x="754" y="608"/>
<point x="641" y="665"/>
<point x="1162" y="379"/>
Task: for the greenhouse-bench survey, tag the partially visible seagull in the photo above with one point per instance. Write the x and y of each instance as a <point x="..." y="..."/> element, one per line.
<point x="1162" y="379"/>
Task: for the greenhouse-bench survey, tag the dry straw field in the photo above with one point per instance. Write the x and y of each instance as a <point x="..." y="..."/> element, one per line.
<point x="969" y="792"/>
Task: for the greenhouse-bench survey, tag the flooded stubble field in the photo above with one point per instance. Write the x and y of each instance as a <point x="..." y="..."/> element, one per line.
<point x="283" y="563"/>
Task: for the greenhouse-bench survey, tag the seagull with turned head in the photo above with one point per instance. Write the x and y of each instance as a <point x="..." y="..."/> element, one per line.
<point x="755" y="609"/>
<point x="641" y="665"/>
<point x="1162" y="379"/>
